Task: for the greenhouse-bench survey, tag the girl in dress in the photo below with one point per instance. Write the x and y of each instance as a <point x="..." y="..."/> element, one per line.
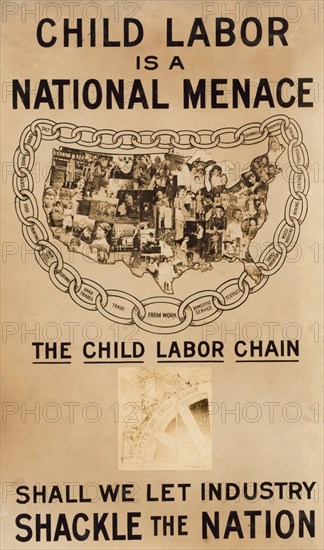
<point x="200" y="204"/>
<point x="70" y="171"/>
<point x="101" y="236"/>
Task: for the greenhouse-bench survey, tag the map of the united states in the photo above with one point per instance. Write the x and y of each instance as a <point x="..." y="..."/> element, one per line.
<point x="161" y="214"/>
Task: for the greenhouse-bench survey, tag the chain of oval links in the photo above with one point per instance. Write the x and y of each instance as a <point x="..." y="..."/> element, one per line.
<point x="93" y="296"/>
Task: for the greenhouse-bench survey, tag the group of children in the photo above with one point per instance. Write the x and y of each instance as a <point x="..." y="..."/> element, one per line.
<point x="161" y="214"/>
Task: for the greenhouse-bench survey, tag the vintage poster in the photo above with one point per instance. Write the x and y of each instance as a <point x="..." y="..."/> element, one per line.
<point x="162" y="209"/>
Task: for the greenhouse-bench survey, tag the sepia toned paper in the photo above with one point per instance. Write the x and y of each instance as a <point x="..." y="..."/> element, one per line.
<point x="162" y="380"/>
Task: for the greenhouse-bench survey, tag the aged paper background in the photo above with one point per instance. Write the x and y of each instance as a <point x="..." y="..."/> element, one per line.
<point x="38" y="450"/>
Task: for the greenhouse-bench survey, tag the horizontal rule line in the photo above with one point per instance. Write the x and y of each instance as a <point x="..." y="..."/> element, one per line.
<point x="51" y="362"/>
<point x="267" y="360"/>
<point x="121" y="362"/>
<point x="191" y="361"/>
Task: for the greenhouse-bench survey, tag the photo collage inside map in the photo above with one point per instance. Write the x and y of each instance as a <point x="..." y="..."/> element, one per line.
<point x="161" y="214"/>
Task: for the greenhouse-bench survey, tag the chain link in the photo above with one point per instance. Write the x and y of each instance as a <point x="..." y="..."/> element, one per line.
<point x="230" y="294"/>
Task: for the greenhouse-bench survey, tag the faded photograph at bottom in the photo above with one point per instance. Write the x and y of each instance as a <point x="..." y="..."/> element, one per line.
<point x="164" y="421"/>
